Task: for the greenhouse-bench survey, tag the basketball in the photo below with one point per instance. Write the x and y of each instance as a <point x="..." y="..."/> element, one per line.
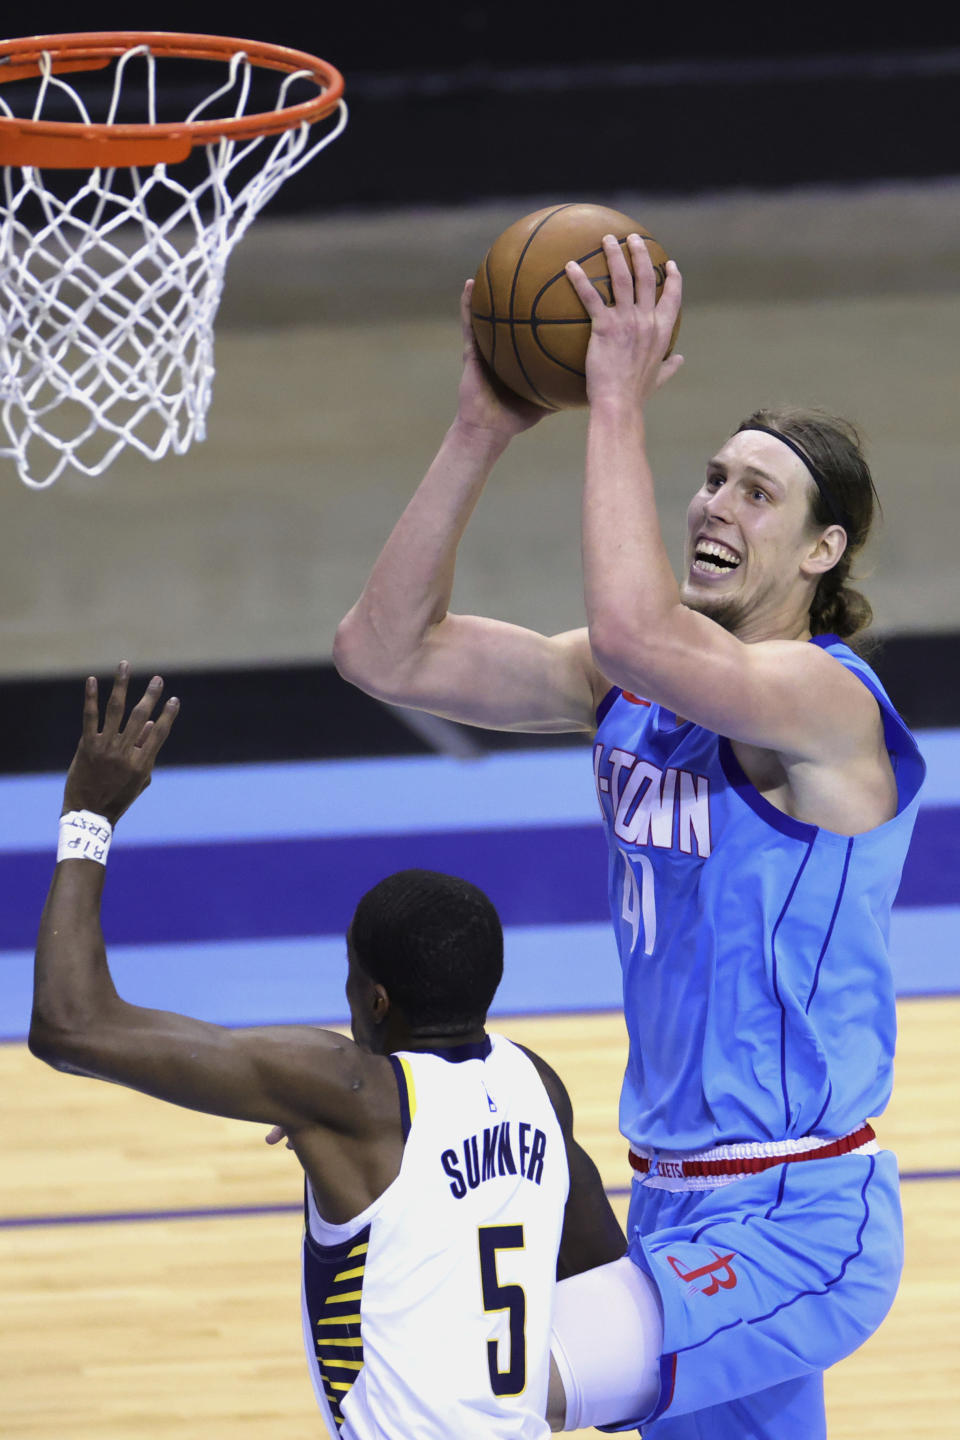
<point x="529" y="324"/>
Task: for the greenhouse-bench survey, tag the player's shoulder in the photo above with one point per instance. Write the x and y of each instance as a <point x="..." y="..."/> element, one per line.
<point x="806" y="701"/>
<point x="837" y="698"/>
<point x="815" y="650"/>
<point x="554" y="1086"/>
<point x="576" y="646"/>
<point x="823" y="661"/>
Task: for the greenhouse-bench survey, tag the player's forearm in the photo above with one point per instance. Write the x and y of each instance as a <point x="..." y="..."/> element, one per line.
<point x="632" y="597"/>
<point x="408" y="592"/>
<point x="72" y="987"/>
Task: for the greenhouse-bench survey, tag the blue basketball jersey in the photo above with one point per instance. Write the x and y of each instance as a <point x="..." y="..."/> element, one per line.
<point x="757" y="989"/>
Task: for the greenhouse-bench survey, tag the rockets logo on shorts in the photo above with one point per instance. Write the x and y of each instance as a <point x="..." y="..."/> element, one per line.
<point x="720" y="1270"/>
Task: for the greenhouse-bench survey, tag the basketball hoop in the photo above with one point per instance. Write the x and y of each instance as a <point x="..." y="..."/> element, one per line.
<point x="111" y="276"/>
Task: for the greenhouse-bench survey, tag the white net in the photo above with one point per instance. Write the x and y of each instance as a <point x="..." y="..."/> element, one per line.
<point x="110" y="280"/>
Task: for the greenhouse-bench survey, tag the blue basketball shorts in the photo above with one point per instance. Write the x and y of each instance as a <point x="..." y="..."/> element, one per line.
<point x="765" y="1283"/>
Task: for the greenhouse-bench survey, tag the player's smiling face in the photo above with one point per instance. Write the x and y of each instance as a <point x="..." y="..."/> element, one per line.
<point x="749" y="537"/>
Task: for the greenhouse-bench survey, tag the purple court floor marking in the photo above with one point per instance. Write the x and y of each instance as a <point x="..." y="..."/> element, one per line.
<point x="232" y="1212"/>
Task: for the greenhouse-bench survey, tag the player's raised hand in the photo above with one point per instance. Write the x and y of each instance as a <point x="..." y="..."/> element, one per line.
<point x="484" y="402"/>
<point x="629" y="337"/>
<point x="113" y="765"/>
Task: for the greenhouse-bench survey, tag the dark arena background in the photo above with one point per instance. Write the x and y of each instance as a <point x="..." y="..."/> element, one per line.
<point x="802" y="168"/>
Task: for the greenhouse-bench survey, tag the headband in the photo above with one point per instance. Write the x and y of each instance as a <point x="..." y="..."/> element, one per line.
<point x="819" y="481"/>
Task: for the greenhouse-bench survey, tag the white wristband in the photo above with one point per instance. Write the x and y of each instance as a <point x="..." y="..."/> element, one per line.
<point x="84" y="836"/>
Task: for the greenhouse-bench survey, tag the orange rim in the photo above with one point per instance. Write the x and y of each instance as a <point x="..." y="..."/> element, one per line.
<point x="75" y="145"/>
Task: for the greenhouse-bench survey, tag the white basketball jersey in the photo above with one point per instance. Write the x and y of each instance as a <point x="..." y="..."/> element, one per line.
<point x="428" y="1316"/>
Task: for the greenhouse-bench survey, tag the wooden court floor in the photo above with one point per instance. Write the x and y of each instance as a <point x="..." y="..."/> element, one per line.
<point x="155" y="1293"/>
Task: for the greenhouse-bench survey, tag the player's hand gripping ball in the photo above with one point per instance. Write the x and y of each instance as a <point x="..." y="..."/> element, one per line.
<point x="528" y="321"/>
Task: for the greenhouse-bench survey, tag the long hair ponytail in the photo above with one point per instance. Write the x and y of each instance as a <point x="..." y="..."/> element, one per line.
<point x="836" y="450"/>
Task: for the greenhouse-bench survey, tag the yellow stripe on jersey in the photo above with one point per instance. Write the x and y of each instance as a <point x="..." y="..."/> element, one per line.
<point x="337" y="1342"/>
<point x="411" y="1088"/>
<point x="348" y="1275"/>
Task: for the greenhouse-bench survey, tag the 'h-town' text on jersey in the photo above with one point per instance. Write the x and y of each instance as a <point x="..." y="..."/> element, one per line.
<point x="757" y="988"/>
<point x="429" y="1314"/>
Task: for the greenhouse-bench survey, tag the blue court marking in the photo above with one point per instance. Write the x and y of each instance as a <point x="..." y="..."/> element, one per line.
<point x="246" y="929"/>
<point x="229" y="1212"/>
<point x="326" y="798"/>
<point x="367" y="797"/>
<point x="925" y="950"/>
<point x="941" y="750"/>
<point x="549" y="968"/>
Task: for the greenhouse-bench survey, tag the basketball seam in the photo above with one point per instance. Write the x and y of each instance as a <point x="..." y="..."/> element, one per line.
<point x="494" y="319"/>
<point x="513" y="292"/>
<point x="493" y="309"/>
<point x="536" y="324"/>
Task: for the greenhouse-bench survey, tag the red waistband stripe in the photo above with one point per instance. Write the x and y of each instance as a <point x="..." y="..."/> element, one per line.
<point x="753" y="1164"/>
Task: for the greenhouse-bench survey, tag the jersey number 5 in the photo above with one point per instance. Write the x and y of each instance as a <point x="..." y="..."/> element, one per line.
<point x="504" y="1297"/>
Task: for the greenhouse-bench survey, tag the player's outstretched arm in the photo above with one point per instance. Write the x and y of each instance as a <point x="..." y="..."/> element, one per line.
<point x="762" y="689"/>
<point x="279" y="1075"/>
<point x="591" y="1232"/>
<point x="400" y="642"/>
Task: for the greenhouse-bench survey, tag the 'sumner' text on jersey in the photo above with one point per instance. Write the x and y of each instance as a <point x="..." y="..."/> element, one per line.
<point x="490" y="1153"/>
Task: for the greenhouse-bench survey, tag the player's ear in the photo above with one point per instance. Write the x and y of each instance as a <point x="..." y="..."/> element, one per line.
<point x="380" y="1004"/>
<point x="826" y="551"/>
